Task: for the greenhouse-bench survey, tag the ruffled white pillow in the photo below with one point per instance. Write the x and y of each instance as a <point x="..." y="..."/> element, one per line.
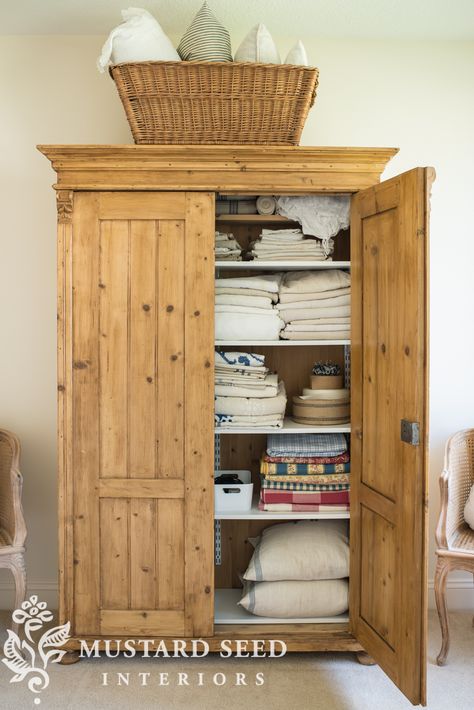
<point x="258" y="46"/>
<point x="297" y="55"/>
<point x="469" y="509"/>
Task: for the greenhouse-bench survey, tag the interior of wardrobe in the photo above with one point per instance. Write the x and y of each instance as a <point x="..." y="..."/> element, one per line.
<point x="242" y="449"/>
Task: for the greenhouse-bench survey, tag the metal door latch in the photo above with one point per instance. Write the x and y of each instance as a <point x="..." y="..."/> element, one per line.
<point x="410" y="432"/>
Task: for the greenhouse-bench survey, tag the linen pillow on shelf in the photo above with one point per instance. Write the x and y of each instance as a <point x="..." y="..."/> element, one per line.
<point x="297" y="600"/>
<point x="469" y="509"/>
<point x="306" y="550"/>
<point x="138" y="39"/>
<point x="205" y="39"/>
<point x="258" y="46"/>
<point x="297" y="55"/>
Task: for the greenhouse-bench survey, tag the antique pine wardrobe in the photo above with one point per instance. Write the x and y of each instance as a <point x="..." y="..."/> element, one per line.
<point x="136" y="432"/>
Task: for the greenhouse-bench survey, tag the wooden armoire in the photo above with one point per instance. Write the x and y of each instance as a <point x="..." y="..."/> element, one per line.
<point x="137" y="444"/>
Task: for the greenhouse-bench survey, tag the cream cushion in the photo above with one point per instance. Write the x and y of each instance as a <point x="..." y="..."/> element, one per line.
<point x="258" y="46"/>
<point x="305" y="550"/>
<point x="297" y="600"/>
<point x="469" y="509"/>
<point x="297" y="55"/>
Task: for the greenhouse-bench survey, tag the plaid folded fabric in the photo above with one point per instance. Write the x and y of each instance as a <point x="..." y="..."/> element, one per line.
<point x="342" y="458"/>
<point x="305" y="498"/>
<point x="311" y="487"/>
<point x="296" y="508"/>
<point x="302" y="469"/>
<point x="306" y="444"/>
<point x="323" y="479"/>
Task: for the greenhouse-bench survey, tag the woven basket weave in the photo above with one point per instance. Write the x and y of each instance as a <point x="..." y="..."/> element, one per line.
<point x="215" y="102"/>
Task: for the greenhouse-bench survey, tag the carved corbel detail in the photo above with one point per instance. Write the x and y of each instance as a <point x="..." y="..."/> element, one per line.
<point x="64" y="203"/>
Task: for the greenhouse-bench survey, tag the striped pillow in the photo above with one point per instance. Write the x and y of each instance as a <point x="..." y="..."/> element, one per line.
<point x="205" y="39"/>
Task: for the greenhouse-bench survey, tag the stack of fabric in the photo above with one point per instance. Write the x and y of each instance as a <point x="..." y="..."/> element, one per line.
<point x="246" y="392"/>
<point x="305" y="472"/>
<point x="326" y="402"/>
<point x="245" y="308"/>
<point x="315" y="305"/>
<point x="287" y="245"/>
<point x="227" y="248"/>
<point x="299" y="570"/>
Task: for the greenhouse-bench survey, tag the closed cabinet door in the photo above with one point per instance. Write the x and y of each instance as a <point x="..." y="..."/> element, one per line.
<point x="389" y="237"/>
<point x="138" y="358"/>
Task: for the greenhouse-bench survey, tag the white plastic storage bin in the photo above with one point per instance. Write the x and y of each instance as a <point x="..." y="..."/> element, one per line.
<point x="233" y="496"/>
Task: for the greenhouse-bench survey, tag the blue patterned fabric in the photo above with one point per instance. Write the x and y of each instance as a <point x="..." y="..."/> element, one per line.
<point x="306" y="444"/>
<point x="239" y="359"/>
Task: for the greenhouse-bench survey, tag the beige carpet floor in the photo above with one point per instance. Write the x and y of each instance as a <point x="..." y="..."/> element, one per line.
<point x="296" y="682"/>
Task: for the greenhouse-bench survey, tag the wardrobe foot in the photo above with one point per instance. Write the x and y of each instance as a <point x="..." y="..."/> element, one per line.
<point x="69" y="658"/>
<point x="364" y="659"/>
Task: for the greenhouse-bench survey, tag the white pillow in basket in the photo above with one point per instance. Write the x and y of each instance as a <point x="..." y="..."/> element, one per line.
<point x="297" y="600"/>
<point x="297" y="55"/>
<point x="258" y="46"/>
<point x="306" y="550"/>
<point x="469" y="509"/>
<point x="205" y="40"/>
<point x="138" y="39"/>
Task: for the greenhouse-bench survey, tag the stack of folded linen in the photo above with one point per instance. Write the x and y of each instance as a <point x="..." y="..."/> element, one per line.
<point x="315" y="305"/>
<point x="287" y="245"/>
<point x="227" y="248"/>
<point x="244" y="308"/>
<point x="305" y="472"/>
<point x="246" y="392"/>
<point x="299" y="570"/>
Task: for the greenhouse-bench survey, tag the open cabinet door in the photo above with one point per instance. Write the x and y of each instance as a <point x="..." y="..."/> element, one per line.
<point x="388" y="598"/>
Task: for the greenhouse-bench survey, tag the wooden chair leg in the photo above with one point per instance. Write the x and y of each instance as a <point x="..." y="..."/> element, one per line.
<point x="441" y="575"/>
<point x="19" y="574"/>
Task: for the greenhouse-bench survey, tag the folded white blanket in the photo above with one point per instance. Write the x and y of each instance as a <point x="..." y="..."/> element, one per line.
<point x="244" y="419"/>
<point x="232" y="390"/>
<point x="253" y="422"/>
<point x="314" y="281"/>
<point x="226" y="308"/>
<point x="314" y="313"/>
<point x="341" y="320"/>
<point x="228" y="299"/>
<point x="245" y="326"/>
<point x="252" y="406"/>
<point x="317" y="303"/>
<point x="246" y="292"/>
<point x="295" y="325"/>
<point x="333" y="335"/>
<point x="267" y="282"/>
<point x="290" y="233"/>
<point x="313" y="296"/>
<point x="274" y="245"/>
<point x="276" y="256"/>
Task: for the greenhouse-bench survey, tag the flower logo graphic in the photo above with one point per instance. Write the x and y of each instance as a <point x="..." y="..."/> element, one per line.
<point x="21" y="658"/>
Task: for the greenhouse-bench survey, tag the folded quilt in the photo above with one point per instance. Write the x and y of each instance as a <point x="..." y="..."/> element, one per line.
<point x="240" y="360"/>
<point x="314" y="281"/>
<point x="298" y="508"/>
<point x="302" y="469"/>
<point x="227" y="422"/>
<point x="306" y="445"/>
<point x="321" y="303"/>
<point x="245" y="326"/>
<point x="340" y="458"/>
<point x="314" y="295"/>
<point x="251" y="406"/>
<point x="311" y="335"/>
<point x="270" y="389"/>
<point x="227" y="299"/>
<point x="322" y="479"/>
<point x="245" y="292"/>
<point x="305" y="498"/>
<point x="238" y="378"/>
<point x="314" y="313"/>
<point x="267" y="282"/>
<point x="291" y="485"/>
<point x="246" y="419"/>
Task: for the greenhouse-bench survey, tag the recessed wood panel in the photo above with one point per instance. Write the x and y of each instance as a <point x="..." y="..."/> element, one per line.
<point x="115" y="553"/>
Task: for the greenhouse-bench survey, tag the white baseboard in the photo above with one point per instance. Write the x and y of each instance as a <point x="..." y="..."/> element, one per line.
<point x="460" y="594"/>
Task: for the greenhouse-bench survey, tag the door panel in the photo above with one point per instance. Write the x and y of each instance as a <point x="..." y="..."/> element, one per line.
<point x="142" y="402"/>
<point x="389" y="232"/>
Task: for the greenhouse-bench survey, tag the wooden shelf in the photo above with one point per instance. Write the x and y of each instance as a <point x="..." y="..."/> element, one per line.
<point x="255" y="218"/>
<point x="279" y="343"/>
<point x="228" y="611"/>
<point x="289" y="427"/>
<point x="281" y="265"/>
<point x="255" y="514"/>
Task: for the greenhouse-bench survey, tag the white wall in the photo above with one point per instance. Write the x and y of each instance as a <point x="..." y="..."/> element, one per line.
<point x="414" y="95"/>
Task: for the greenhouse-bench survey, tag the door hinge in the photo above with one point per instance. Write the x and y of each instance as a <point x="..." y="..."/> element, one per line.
<point x="410" y="432"/>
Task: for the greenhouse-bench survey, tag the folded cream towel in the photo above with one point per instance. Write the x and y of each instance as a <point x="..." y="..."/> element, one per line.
<point x="317" y="303"/>
<point x="314" y="313"/>
<point x="227" y="299"/>
<point x="266" y="282"/>
<point x="239" y="327"/>
<point x="314" y="281"/>
<point x="313" y="296"/>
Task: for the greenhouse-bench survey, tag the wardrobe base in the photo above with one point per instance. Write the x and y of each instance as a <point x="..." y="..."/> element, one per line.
<point x="299" y="638"/>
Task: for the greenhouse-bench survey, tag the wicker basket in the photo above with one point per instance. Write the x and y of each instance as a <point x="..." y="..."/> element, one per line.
<point x="215" y="102"/>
